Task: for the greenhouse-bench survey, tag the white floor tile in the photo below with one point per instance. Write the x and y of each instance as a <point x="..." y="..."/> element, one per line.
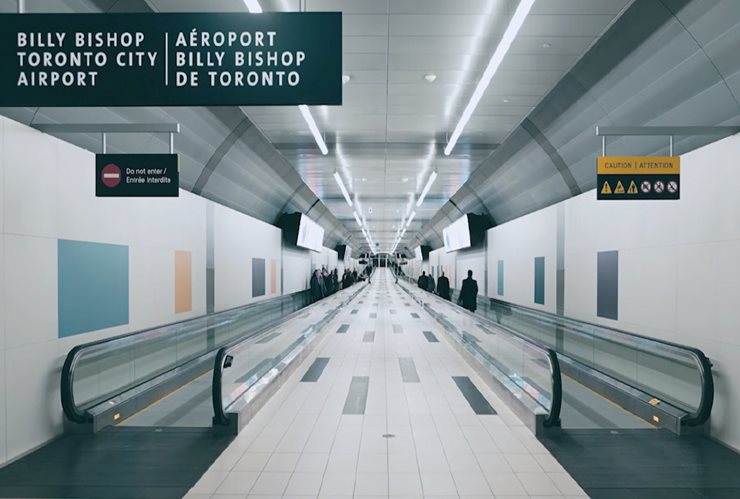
<point x="372" y="463"/>
<point x="371" y="484"/>
<point x="538" y="484"/>
<point x="271" y="482"/>
<point x="312" y="462"/>
<point x="304" y="484"/>
<point x="438" y="483"/>
<point x="471" y="483"/>
<point x="282" y="461"/>
<point x="338" y="484"/>
<point x="238" y="482"/>
<point x="404" y="484"/>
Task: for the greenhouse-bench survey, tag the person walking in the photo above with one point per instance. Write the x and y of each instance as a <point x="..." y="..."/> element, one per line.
<point x="315" y="286"/>
<point x="469" y="293"/>
<point x="443" y="286"/>
<point x="422" y="282"/>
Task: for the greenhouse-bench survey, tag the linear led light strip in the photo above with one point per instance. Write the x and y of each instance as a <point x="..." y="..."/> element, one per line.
<point x="424" y="193"/>
<point x="522" y="10"/>
<point x="254" y="7"/>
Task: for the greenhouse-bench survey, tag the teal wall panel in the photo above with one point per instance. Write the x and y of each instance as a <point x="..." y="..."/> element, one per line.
<point x="500" y="282"/>
<point x="607" y="284"/>
<point x="92" y="286"/>
<point x="539" y="280"/>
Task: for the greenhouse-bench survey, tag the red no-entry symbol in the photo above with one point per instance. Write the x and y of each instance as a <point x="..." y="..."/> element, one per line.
<point x="111" y="175"/>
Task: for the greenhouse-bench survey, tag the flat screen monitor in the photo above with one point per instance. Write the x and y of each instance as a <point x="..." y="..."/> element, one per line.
<point x="457" y="235"/>
<point x="310" y="234"/>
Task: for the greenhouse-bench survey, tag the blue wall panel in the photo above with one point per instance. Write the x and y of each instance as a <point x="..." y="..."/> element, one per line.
<point x="92" y="286"/>
<point x="607" y="285"/>
<point x="539" y="280"/>
<point x="500" y="283"/>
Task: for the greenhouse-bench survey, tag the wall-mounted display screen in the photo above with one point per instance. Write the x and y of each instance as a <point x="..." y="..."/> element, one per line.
<point x="457" y="235"/>
<point x="310" y="234"/>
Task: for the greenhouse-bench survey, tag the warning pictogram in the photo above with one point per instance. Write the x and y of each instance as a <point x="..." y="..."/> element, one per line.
<point x="659" y="186"/>
<point x="620" y="188"/>
<point x="646" y="187"/>
<point x="672" y="186"/>
<point x="606" y="189"/>
<point x="632" y="189"/>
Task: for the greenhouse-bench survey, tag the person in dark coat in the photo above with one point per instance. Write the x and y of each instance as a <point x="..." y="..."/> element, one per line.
<point x="430" y="283"/>
<point x="469" y="293"/>
<point x="443" y="287"/>
<point x="315" y="286"/>
<point x="422" y="282"/>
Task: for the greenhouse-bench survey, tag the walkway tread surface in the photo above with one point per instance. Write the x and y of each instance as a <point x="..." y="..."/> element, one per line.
<point x="115" y="463"/>
<point x="647" y="464"/>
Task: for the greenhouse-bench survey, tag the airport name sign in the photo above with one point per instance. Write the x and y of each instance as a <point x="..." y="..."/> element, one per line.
<point x="638" y="177"/>
<point x="204" y="59"/>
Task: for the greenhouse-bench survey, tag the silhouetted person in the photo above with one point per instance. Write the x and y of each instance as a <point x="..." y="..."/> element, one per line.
<point x="422" y="282"/>
<point x="315" y="286"/>
<point x="469" y="293"/>
<point x="443" y="286"/>
<point x="430" y="284"/>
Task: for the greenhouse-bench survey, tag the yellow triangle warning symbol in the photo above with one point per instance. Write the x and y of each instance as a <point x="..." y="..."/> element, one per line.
<point x="606" y="189"/>
<point x="632" y="188"/>
<point x="620" y="188"/>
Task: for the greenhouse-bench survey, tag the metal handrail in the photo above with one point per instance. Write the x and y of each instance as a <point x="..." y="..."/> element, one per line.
<point x="702" y="362"/>
<point x="70" y="408"/>
<point x="553" y="416"/>
<point x="220" y="417"/>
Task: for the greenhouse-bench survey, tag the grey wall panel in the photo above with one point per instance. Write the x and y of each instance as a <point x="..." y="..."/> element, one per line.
<point x="258" y="277"/>
<point x="607" y="284"/>
<point x="539" y="280"/>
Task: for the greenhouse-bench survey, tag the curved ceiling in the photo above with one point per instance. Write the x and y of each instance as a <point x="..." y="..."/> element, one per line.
<point x="664" y="62"/>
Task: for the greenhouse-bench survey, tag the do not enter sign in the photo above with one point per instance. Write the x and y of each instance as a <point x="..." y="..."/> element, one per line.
<point x="111" y="175"/>
<point x="137" y="175"/>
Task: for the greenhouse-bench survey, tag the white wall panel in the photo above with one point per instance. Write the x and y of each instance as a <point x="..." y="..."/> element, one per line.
<point x="237" y="239"/>
<point x="30" y="270"/>
<point x="518" y="243"/>
<point x="30" y="170"/>
<point x="296" y="269"/>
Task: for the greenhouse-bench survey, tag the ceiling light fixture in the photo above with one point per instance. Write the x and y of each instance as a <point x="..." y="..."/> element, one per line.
<point x="338" y="178"/>
<point x="411" y="218"/>
<point x="520" y="14"/>
<point x="546" y="45"/>
<point x="430" y="77"/>
<point x="314" y="129"/>
<point x="253" y="6"/>
<point x="431" y="180"/>
<point x="345" y="79"/>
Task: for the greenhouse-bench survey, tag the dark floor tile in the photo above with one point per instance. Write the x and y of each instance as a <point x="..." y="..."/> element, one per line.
<point x="475" y="398"/>
<point x="430" y="337"/>
<point x="357" y="395"/>
<point x="315" y="370"/>
<point x="343" y="329"/>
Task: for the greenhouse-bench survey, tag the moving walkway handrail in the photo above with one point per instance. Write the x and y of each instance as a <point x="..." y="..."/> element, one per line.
<point x="553" y="416"/>
<point x="75" y="414"/>
<point x="224" y="354"/>
<point x="702" y="362"/>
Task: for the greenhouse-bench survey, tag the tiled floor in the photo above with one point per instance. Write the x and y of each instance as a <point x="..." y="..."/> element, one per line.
<point x="415" y="439"/>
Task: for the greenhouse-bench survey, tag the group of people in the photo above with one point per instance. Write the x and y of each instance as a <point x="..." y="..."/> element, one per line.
<point x="324" y="283"/>
<point x="468" y="297"/>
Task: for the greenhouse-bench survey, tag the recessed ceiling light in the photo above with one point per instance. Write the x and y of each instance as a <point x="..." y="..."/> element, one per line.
<point x="546" y="45"/>
<point x="430" y="77"/>
<point x="507" y="100"/>
<point x="405" y="179"/>
<point x="364" y="179"/>
<point x="345" y="79"/>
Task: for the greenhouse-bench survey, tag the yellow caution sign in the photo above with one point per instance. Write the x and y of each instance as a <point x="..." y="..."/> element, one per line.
<point x="639" y="165"/>
<point x="632" y="189"/>
<point x="606" y="189"/>
<point x="620" y="188"/>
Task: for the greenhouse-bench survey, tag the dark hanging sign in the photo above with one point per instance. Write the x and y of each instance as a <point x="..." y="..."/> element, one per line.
<point x="638" y="177"/>
<point x="204" y="59"/>
<point x="137" y="175"/>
